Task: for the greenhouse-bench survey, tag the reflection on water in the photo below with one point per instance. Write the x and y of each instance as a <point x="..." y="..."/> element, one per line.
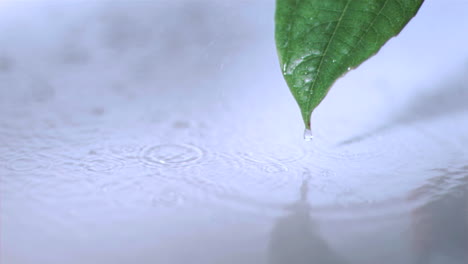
<point x="296" y="238"/>
<point x="445" y="99"/>
<point x="5" y="64"/>
<point x="440" y="224"/>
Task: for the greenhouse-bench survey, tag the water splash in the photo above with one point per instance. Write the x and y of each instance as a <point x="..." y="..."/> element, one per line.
<point x="308" y="135"/>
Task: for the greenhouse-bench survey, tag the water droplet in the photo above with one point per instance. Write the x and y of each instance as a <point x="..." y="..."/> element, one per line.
<point x="308" y="135"/>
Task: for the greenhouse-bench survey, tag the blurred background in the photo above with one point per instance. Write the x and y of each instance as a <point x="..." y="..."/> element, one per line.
<point x="162" y="132"/>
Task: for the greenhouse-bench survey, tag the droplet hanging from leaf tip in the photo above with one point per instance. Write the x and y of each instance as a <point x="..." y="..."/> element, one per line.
<point x="319" y="41"/>
<point x="308" y="135"/>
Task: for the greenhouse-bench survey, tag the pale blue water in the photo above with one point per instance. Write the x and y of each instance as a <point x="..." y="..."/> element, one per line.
<point x="163" y="132"/>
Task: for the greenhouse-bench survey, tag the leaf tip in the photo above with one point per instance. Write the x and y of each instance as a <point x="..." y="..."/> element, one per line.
<point x="306" y="117"/>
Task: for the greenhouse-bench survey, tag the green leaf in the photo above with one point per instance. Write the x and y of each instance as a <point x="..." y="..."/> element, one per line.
<point x="320" y="40"/>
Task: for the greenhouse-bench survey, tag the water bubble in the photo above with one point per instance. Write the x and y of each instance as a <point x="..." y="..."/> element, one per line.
<point x="308" y="135"/>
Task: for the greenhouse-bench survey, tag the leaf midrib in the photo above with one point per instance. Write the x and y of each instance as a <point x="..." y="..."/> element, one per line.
<point x="312" y="85"/>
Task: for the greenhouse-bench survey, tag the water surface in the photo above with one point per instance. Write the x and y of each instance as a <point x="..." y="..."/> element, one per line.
<point x="163" y="132"/>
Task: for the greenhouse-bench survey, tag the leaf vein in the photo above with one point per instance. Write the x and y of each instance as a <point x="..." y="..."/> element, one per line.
<point x="314" y="82"/>
<point x="370" y="26"/>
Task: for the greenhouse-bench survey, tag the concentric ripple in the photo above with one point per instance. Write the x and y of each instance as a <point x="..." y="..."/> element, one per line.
<point x="171" y="155"/>
<point x="102" y="165"/>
